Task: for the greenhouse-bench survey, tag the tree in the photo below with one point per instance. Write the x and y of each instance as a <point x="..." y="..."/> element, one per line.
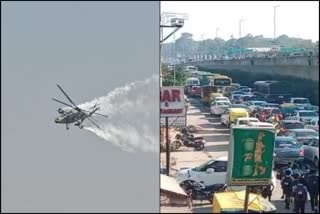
<point x="168" y="76"/>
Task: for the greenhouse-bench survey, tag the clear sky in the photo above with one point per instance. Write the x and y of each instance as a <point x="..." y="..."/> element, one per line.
<point x="293" y="18"/>
<point x="89" y="48"/>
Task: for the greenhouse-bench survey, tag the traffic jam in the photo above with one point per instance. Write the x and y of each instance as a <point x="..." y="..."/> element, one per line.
<point x="235" y="148"/>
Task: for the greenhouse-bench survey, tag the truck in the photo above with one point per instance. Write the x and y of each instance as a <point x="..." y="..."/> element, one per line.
<point x="206" y="92"/>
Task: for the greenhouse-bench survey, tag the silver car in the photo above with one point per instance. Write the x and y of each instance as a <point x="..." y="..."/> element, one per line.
<point x="287" y="150"/>
<point x="311" y="151"/>
<point x="303" y="135"/>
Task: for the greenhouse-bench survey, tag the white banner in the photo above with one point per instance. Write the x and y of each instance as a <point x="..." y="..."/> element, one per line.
<point x="172" y="101"/>
<point x="174" y="121"/>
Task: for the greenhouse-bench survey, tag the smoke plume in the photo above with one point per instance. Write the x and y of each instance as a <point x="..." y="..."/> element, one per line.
<point x="133" y="111"/>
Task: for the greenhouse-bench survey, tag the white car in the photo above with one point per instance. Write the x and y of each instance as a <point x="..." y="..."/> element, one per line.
<point x="313" y="124"/>
<point x="311" y="151"/>
<point x="244" y="121"/>
<point x="305" y="116"/>
<point x="219" y="106"/>
<point x="261" y="124"/>
<point x="211" y="172"/>
<point x="226" y="99"/>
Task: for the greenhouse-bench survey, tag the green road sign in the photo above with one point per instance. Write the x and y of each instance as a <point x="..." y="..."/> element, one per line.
<point x="250" y="156"/>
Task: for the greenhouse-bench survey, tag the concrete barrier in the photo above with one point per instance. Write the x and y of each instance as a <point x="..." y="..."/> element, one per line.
<point x="301" y="67"/>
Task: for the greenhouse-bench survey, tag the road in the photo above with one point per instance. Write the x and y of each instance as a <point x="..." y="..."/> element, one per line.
<point x="217" y="138"/>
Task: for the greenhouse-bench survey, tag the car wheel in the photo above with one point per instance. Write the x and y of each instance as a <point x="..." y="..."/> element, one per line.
<point x="316" y="162"/>
<point x="211" y="198"/>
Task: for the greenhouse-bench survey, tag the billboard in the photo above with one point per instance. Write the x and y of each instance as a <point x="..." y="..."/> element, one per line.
<point x="172" y="101"/>
<point x="250" y="156"/>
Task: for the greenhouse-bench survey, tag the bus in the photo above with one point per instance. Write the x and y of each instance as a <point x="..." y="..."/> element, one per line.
<point x="272" y="91"/>
<point x="222" y="82"/>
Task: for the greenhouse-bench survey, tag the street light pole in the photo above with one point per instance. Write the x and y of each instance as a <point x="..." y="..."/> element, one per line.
<point x="240" y="21"/>
<point x="175" y="60"/>
<point x="202" y="38"/>
<point x="274" y="23"/>
<point x="217" y="29"/>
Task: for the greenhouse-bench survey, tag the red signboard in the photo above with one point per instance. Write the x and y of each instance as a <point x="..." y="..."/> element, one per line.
<point x="172" y="101"/>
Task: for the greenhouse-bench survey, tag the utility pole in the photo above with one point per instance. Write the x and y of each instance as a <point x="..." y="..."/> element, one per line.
<point x="274" y="23"/>
<point x="240" y="21"/>
<point x="217" y="29"/>
<point x="202" y="38"/>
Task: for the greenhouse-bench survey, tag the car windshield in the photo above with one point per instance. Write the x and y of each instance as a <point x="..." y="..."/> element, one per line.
<point x="301" y="101"/>
<point x="293" y="126"/>
<point x="307" y="134"/>
<point x="202" y="166"/>
<point x="286" y="143"/>
<point x="308" y="114"/>
<point x="258" y="103"/>
<point x="222" y="103"/>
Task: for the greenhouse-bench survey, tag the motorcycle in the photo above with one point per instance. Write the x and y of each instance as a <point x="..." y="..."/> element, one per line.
<point x="198" y="143"/>
<point x="199" y="191"/>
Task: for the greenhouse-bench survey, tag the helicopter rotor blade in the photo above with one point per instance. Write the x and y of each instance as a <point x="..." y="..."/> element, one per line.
<point x="65" y="94"/>
<point x="62" y="103"/>
<point x="94" y="123"/>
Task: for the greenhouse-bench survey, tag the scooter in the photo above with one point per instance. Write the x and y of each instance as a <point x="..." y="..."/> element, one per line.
<point x="199" y="191"/>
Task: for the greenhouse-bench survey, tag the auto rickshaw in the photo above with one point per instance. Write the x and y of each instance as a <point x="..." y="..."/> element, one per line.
<point x="233" y="202"/>
<point x="287" y="109"/>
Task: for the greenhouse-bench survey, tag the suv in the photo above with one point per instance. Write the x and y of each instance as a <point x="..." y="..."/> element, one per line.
<point x="211" y="172"/>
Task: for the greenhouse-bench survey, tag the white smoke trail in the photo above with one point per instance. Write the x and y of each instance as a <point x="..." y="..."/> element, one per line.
<point x="133" y="111"/>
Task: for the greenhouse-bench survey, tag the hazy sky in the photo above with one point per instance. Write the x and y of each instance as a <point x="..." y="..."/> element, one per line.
<point x="89" y="48"/>
<point x="295" y="19"/>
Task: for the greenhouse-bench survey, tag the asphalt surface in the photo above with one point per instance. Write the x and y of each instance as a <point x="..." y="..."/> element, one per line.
<point x="217" y="141"/>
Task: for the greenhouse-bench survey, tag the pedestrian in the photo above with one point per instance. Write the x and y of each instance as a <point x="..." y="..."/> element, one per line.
<point x="267" y="191"/>
<point x="300" y="195"/>
<point x="295" y="182"/>
<point x="286" y="185"/>
<point x="313" y="189"/>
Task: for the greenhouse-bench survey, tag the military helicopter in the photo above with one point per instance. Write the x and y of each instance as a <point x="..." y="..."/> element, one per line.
<point x="75" y="114"/>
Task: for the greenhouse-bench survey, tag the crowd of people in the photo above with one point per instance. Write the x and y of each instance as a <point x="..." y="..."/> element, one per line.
<point x="297" y="185"/>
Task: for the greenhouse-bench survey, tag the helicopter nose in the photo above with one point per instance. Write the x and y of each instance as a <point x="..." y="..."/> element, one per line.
<point x="56" y="120"/>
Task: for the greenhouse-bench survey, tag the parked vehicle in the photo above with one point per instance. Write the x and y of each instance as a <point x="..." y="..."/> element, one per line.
<point x="311" y="151"/>
<point x="198" y="143"/>
<point x="228" y="117"/>
<point x="219" y="106"/>
<point x="287" y="150"/>
<point x="302" y="135"/>
<point x="200" y="191"/>
<point x="211" y="172"/>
